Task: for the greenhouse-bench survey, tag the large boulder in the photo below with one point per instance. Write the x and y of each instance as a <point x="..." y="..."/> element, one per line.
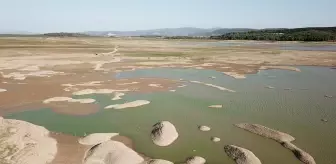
<point x="112" y="152"/>
<point x="241" y="155"/>
<point x="164" y="133"/>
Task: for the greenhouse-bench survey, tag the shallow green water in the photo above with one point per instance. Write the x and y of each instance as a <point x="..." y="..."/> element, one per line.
<point x="298" y="112"/>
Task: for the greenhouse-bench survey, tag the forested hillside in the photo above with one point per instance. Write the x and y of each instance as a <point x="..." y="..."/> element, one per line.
<point x="297" y="34"/>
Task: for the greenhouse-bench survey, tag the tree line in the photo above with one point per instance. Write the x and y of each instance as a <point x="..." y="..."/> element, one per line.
<point x="298" y="34"/>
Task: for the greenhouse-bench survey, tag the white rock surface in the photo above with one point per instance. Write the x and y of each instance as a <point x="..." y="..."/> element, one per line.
<point x="132" y="104"/>
<point x="97" y="91"/>
<point x="195" y="160"/>
<point x="215" y="139"/>
<point x="241" y="155"/>
<point x="134" y="82"/>
<point x="25" y="143"/>
<point x="235" y="75"/>
<point x="213" y="86"/>
<point x="155" y="85"/>
<point x="181" y="86"/>
<point x="24" y="75"/>
<point x="269" y="87"/>
<point x="117" y="95"/>
<point x="164" y="133"/>
<point x="216" y="106"/>
<point x="96" y="138"/>
<point x="204" y="128"/>
<point x="158" y="161"/>
<point x="112" y="152"/>
<point x="69" y="99"/>
<point x="3" y="90"/>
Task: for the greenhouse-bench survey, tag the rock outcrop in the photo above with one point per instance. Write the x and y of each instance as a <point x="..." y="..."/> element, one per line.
<point x="164" y="133"/>
<point x="241" y="155"/>
<point x="112" y="152"/>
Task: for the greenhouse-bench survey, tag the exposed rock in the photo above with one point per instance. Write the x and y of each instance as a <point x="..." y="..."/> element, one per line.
<point x="97" y="91"/>
<point x="158" y="161"/>
<point x="155" y="85"/>
<point x="289" y="68"/>
<point x="283" y="138"/>
<point x="213" y="86"/>
<point x="68" y="99"/>
<point x="25" y="143"/>
<point x="164" y="133"/>
<point x="216" y="106"/>
<point x="266" y="132"/>
<point x="2" y="90"/>
<point x="204" y="128"/>
<point x="96" y="138"/>
<point x="215" y="139"/>
<point x="117" y="96"/>
<point x="132" y="104"/>
<point x="241" y="155"/>
<point x="269" y="87"/>
<point x="324" y="120"/>
<point x="195" y="160"/>
<point x="112" y="152"/>
<point x="181" y="86"/>
<point x="299" y="153"/>
<point x="24" y="75"/>
<point x="134" y="82"/>
<point x="235" y="75"/>
<point x="328" y="96"/>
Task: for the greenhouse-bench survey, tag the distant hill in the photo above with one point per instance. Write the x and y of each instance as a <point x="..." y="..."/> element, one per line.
<point x="65" y="34"/>
<point x="15" y="33"/>
<point x="222" y="31"/>
<point x="295" y="34"/>
<point x="184" y="31"/>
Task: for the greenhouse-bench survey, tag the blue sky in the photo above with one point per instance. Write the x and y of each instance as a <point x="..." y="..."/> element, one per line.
<point x="85" y="15"/>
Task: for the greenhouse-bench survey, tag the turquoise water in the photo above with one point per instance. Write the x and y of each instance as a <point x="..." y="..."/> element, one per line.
<point x="298" y="112"/>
